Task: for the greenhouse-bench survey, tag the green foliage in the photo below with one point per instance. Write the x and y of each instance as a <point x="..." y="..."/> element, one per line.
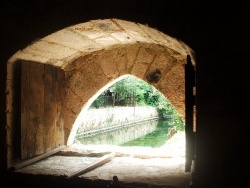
<point x="145" y="95"/>
<point x="154" y="139"/>
<point x="99" y="101"/>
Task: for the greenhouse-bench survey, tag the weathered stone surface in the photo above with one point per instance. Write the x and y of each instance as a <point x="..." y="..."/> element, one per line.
<point x="162" y="166"/>
<point x="107" y="117"/>
<point x="93" y="55"/>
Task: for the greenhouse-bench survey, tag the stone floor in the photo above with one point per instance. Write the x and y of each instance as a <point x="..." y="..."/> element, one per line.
<point x="161" y="167"/>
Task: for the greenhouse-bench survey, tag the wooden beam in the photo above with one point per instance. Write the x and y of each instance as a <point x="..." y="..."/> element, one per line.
<point x="27" y="162"/>
<point x="104" y="159"/>
<point x="189" y="113"/>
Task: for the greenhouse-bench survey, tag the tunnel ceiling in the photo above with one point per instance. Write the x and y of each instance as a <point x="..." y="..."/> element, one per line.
<point x="93" y="54"/>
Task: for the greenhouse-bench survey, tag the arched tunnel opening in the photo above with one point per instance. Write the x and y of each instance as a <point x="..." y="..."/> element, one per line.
<point x="61" y="75"/>
<point x="130" y="112"/>
<point x="168" y="158"/>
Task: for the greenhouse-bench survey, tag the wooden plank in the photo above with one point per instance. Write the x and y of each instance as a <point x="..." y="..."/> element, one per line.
<point x="60" y="84"/>
<point x="24" y="109"/>
<point x="36" y="103"/>
<point x="50" y="109"/>
<point x="38" y="93"/>
<point x="189" y="113"/>
<point x="56" y="85"/>
<point x="101" y="161"/>
<point x="54" y="95"/>
<point x="27" y="162"/>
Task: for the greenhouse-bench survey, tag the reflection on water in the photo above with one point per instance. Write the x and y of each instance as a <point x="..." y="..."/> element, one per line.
<point x="153" y="139"/>
<point x="151" y="133"/>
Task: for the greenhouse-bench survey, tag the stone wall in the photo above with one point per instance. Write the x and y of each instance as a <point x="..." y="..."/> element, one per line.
<point x="100" y="120"/>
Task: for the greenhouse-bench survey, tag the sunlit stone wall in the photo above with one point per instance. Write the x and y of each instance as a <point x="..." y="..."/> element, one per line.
<point x="104" y="118"/>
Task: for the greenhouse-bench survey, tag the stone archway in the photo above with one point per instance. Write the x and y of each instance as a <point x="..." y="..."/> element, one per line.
<point x="79" y="61"/>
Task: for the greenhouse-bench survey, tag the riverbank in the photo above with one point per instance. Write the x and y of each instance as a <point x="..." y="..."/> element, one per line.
<point x="174" y="147"/>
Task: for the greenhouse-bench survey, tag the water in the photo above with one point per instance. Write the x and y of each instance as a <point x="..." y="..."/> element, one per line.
<point x="154" y="139"/>
<point x="152" y="133"/>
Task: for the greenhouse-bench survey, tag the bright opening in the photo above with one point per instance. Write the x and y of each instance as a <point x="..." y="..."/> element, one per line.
<point x="132" y="94"/>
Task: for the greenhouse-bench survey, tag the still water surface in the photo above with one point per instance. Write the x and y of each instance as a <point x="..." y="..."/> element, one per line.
<point x="154" y="139"/>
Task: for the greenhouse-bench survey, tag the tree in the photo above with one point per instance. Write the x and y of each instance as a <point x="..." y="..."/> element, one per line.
<point x="143" y="94"/>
